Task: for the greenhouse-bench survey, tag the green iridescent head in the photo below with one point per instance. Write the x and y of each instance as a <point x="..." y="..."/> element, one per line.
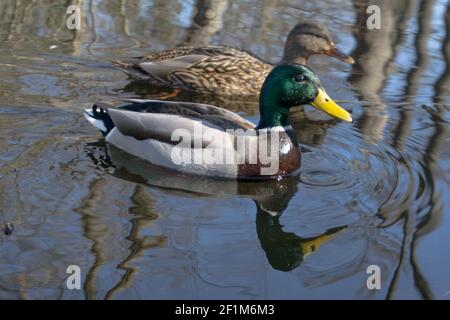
<point x="292" y="85"/>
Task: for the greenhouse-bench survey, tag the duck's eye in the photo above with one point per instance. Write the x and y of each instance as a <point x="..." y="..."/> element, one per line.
<point x="299" y="78"/>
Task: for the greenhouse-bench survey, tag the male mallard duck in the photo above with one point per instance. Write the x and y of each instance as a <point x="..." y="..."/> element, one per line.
<point x="230" y="71"/>
<point x="208" y="140"/>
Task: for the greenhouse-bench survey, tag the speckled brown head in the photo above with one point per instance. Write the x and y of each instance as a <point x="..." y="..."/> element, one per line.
<point x="307" y="39"/>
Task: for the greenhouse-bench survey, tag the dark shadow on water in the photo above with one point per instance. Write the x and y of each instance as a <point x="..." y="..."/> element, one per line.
<point x="207" y="21"/>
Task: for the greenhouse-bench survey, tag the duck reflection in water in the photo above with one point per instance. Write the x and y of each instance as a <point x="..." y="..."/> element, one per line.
<point x="285" y="251"/>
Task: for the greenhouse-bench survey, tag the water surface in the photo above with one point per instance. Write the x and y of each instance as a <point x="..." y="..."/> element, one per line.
<point x="374" y="192"/>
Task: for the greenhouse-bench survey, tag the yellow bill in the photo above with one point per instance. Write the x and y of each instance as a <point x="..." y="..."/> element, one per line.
<point x="312" y="244"/>
<point x="326" y="104"/>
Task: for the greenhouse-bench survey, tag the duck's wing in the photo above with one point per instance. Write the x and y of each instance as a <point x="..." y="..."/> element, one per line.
<point x="144" y="119"/>
<point x="199" y="111"/>
<point x="211" y="69"/>
<point x="221" y="63"/>
<point x="163" y="69"/>
<point x="182" y="57"/>
<point x="208" y="51"/>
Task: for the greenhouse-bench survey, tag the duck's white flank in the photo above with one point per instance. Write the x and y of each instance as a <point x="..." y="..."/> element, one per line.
<point x="171" y="156"/>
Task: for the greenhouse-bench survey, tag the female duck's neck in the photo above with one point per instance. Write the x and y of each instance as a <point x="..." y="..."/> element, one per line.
<point x="288" y="59"/>
<point x="293" y="54"/>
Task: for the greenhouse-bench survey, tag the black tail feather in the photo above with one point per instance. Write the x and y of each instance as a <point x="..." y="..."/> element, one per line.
<point x="99" y="112"/>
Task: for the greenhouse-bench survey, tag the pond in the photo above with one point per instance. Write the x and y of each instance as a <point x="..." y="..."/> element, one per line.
<point x="373" y="192"/>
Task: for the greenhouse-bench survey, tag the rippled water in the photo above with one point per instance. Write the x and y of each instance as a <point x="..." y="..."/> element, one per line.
<point x="372" y="192"/>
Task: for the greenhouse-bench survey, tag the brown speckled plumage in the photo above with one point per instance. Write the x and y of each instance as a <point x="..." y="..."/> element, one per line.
<point x="230" y="71"/>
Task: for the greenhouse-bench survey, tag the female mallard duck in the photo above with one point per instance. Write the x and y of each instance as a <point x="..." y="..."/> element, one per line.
<point x="230" y="71"/>
<point x="208" y="140"/>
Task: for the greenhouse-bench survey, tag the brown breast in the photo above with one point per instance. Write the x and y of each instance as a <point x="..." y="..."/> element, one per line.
<point x="289" y="159"/>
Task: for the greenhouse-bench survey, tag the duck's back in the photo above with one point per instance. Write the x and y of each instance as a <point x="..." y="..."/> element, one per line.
<point x="211" y="69"/>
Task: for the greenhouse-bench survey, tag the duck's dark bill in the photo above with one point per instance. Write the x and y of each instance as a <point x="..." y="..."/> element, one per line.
<point x="326" y="104"/>
<point x="337" y="53"/>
